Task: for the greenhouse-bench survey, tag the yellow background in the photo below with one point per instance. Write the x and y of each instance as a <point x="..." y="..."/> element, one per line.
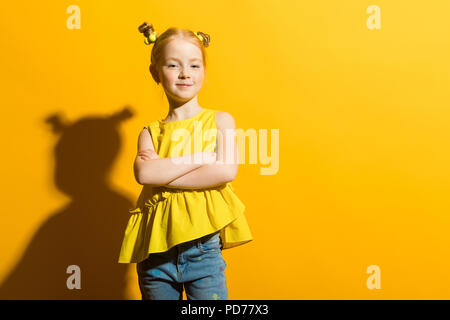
<point x="364" y="143"/>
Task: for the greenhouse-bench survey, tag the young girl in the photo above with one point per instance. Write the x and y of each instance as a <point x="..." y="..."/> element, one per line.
<point x="187" y="212"/>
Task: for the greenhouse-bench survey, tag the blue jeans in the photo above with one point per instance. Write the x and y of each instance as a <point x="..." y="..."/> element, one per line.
<point x="198" y="264"/>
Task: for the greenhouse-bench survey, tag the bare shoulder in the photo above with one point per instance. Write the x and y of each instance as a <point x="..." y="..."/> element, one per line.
<point x="224" y="120"/>
<point x="145" y="140"/>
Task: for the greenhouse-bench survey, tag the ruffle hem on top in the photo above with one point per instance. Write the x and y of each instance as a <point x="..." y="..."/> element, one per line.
<point x="164" y="218"/>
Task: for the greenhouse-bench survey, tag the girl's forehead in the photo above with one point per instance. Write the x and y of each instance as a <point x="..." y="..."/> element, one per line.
<point x="181" y="49"/>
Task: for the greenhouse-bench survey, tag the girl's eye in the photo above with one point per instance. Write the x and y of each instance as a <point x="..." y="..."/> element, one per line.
<point x="170" y="65"/>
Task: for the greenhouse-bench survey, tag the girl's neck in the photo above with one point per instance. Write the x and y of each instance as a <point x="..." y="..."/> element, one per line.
<point x="181" y="111"/>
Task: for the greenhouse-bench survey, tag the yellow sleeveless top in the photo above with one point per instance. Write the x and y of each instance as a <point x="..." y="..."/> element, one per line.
<point x="164" y="217"/>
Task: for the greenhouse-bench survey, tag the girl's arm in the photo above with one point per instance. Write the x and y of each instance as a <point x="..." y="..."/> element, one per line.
<point x="224" y="169"/>
<point x="160" y="171"/>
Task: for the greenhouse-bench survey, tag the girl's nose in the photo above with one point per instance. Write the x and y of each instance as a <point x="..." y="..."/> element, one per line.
<point x="184" y="73"/>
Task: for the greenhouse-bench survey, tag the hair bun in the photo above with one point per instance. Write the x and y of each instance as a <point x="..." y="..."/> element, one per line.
<point x="205" y="38"/>
<point x="148" y="31"/>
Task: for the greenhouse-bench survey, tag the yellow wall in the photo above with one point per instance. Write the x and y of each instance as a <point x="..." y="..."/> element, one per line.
<point x="363" y="126"/>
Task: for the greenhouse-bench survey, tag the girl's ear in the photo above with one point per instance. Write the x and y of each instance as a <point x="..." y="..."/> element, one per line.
<point x="154" y="73"/>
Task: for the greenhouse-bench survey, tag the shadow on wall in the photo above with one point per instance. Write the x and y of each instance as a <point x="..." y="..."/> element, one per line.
<point x="88" y="231"/>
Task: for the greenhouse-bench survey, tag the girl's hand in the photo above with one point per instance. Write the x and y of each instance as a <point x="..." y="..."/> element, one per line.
<point x="148" y="154"/>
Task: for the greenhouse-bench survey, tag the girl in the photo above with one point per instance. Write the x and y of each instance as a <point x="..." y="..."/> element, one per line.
<point x="187" y="212"/>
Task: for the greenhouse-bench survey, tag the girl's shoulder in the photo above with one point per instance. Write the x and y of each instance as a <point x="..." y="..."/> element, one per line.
<point x="224" y="119"/>
<point x="152" y="125"/>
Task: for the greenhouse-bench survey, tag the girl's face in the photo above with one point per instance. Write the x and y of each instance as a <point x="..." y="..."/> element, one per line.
<point x="182" y="64"/>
